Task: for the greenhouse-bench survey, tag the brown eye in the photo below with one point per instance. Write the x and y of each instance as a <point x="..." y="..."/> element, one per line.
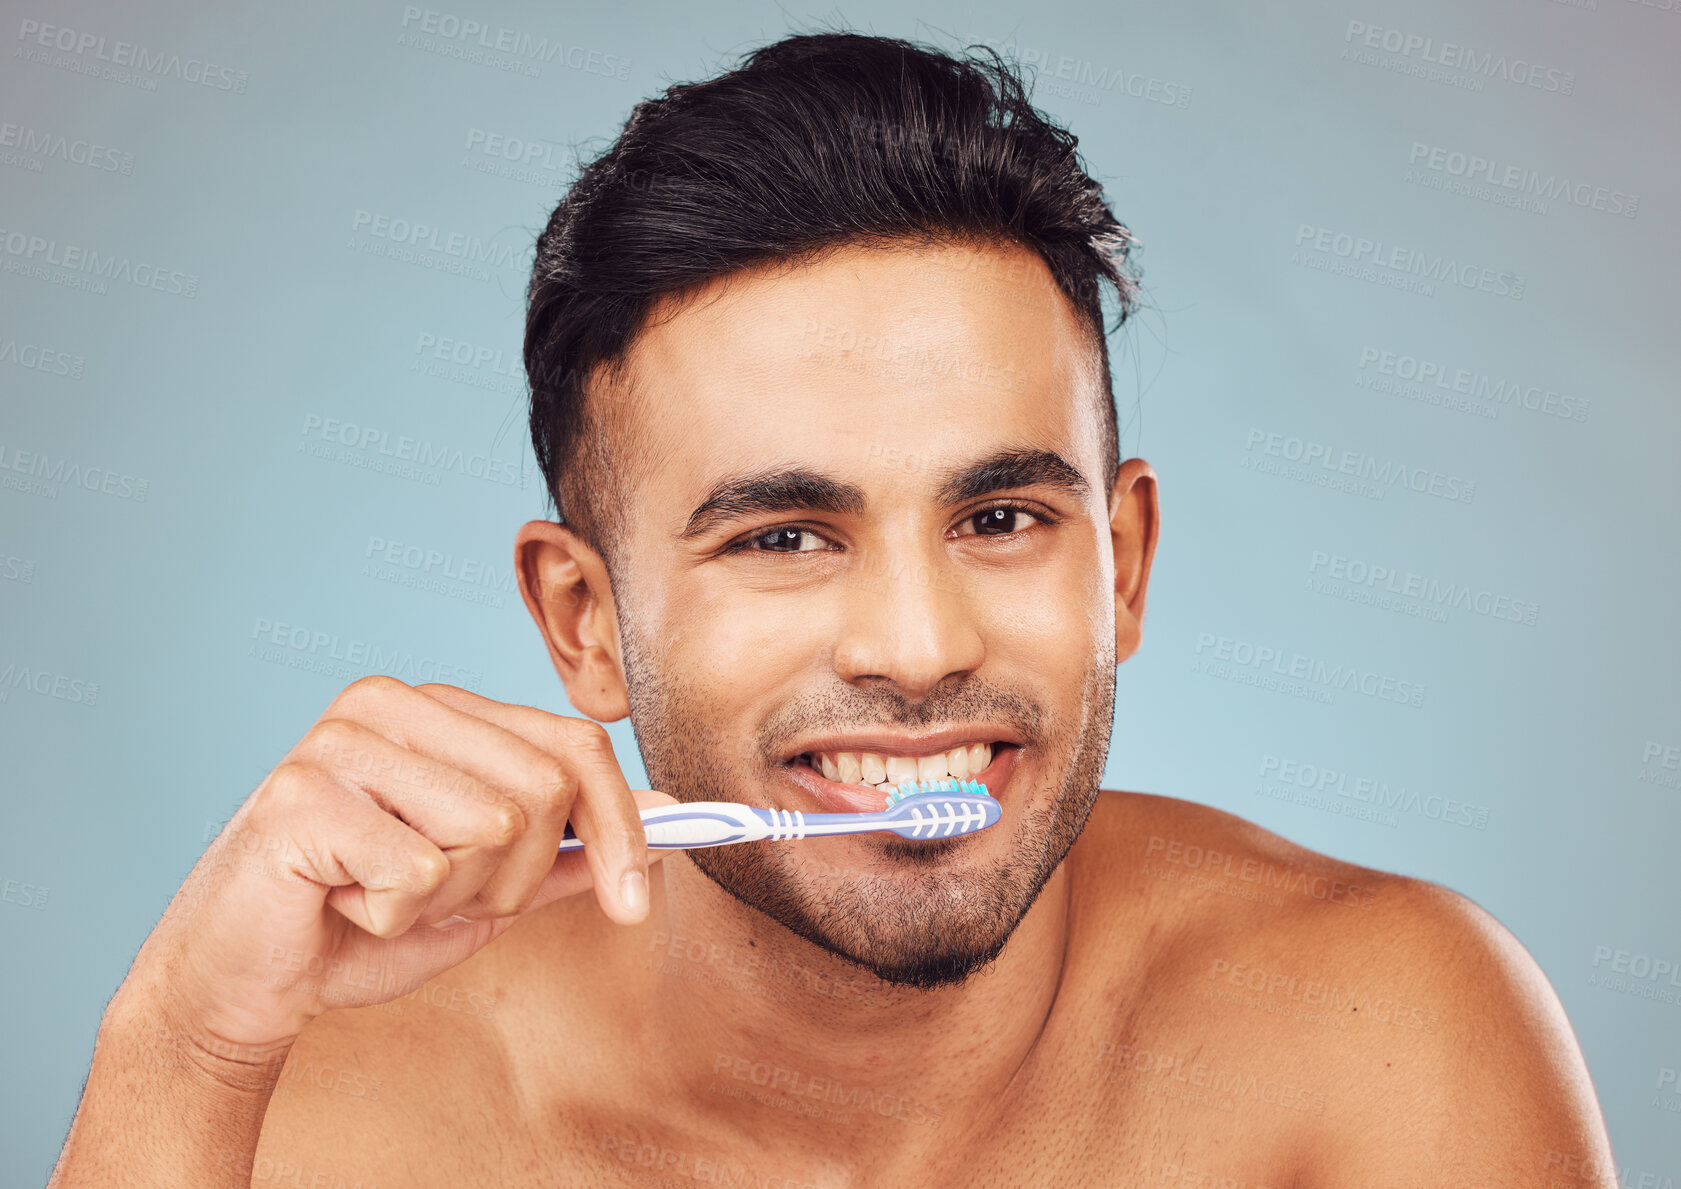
<point x="1000" y="521"/>
<point x="782" y="540"/>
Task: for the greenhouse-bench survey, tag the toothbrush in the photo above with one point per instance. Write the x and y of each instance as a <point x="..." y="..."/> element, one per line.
<point x="915" y="809"/>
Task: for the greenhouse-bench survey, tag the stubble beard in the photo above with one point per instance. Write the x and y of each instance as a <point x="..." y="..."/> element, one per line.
<point x="928" y="932"/>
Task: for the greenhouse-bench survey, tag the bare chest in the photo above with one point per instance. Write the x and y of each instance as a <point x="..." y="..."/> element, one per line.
<point x="1124" y="1088"/>
<point x="1088" y="1110"/>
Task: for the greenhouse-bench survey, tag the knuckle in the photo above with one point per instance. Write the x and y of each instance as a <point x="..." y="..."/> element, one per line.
<point x="507" y="822"/>
<point x="632" y="836"/>
<point x="370" y="690"/>
<point x="336" y="738"/>
<point x="430" y="872"/>
<point x="553" y="787"/>
<point x="585" y="735"/>
<point x="379" y="683"/>
<point x="290" y="783"/>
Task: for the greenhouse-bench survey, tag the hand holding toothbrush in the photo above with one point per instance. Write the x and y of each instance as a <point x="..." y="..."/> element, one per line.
<point x="405" y="830"/>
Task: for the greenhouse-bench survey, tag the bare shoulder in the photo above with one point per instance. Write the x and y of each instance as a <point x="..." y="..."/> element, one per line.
<point x="373" y="1096"/>
<point x="1430" y="1044"/>
<point x="430" y="1088"/>
<point x="1186" y="858"/>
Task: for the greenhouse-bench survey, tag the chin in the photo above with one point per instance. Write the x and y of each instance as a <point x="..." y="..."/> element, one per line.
<point x="914" y="914"/>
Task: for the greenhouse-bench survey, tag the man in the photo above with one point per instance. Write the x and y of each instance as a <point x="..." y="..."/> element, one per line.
<point x="821" y="391"/>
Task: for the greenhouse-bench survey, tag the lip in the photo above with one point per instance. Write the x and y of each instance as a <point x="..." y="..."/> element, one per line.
<point x="916" y="745"/>
<point x="834" y="797"/>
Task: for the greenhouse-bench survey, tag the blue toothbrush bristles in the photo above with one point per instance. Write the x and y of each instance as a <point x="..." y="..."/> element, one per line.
<point x="915" y="788"/>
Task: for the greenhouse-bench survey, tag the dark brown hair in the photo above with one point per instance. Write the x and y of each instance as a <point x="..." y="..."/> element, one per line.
<point x="814" y="142"/>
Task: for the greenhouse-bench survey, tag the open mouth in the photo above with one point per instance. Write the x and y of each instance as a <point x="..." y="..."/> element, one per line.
<point x="859" y="781"/>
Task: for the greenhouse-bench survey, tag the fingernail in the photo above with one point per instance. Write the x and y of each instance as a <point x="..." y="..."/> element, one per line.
<point x="633" y="892"/>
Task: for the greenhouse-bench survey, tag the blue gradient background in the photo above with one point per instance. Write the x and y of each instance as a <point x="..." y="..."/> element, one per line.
<point x="1549" y="727"/>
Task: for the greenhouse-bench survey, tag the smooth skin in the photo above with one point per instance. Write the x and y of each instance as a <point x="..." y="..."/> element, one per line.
<point x="1189" y="1000"/>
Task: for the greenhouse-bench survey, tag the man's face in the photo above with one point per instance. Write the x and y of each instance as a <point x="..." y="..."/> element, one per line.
<point x="820" y="560"/>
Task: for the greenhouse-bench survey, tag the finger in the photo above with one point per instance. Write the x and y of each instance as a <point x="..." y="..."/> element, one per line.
<point x="380" y="872"/>
<point x="541" y="782"/>
<point x="569" y="876"/>
<point x="603" y="812"/>
<point x="473" y="824"/>
<point x="572" y="874"/>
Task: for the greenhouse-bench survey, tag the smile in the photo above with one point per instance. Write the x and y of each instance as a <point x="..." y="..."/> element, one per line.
<point x="882" y="771"/>
<point x="853" y="780"/>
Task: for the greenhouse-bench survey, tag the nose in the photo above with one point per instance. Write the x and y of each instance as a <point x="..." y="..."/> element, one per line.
<point x="909" y="621"/>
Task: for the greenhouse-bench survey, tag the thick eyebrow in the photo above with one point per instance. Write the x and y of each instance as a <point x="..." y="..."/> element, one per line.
<point x="1012" y="467"/>
<point x="772" y="492"/>
<point x="799" y="489"/>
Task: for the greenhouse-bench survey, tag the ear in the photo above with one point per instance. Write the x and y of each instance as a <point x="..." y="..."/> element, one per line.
<point x="1134" y="521"/>
<point x="565" y="586"/>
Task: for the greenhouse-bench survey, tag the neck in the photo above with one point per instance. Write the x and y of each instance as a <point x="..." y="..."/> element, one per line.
<point x="761" y="1027"/>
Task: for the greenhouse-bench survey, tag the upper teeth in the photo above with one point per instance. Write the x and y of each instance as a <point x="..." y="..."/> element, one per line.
<point x="874" y="768"/>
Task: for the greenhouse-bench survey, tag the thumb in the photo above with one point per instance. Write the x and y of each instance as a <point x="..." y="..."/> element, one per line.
<point x="571" y="872"/>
